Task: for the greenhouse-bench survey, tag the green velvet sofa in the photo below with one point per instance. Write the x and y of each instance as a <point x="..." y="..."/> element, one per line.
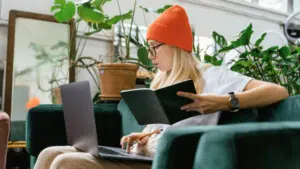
<point x="251" y="138"/>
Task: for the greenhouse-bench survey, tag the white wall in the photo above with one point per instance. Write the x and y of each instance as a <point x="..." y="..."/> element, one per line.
<point x="227" y="18"/>
<point x="217" y="15"/>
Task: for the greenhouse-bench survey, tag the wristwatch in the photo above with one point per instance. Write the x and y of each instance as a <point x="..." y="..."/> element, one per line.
<point x="233" y="102"/>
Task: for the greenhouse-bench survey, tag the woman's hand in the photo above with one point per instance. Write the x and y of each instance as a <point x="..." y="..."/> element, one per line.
<point x="205" y="103"/>
<point x="140" y="138"/>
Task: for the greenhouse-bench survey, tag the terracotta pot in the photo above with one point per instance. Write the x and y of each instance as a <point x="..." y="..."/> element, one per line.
<point x="115" y="77"/>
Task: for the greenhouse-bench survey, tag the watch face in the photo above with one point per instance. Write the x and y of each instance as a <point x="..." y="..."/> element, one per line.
<point x="234" y="102"/>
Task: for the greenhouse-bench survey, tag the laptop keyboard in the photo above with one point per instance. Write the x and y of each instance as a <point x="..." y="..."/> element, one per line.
<point x="108" y="151"/>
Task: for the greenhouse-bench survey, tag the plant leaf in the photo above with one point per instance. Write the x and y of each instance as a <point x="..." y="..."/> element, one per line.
<point x="219" y="39"/>
<point x="63" y="11"/>
<point x="161" y="10"/>
<point x="158" y="11"/>
<point x="284" y="52"/>
<point x="267" y="57"/>
<point x="244" y="55"/>
<point x="143" y="56"/>
<point x="60" y="44"/>
<point x="255" y="53"/>
<point x="61" y="2"/>
<point x="244" y="37"/>
<point x="298" y="81"/>
<point x="236" y="67"/>
<point x="89" y="14"/>
<point x="96" y="98"/>
<point x="217" y="63"/>
<point x="293" y="57"/>
<point x="96" y="3"/>
<point x="244" y="63"/>
<point x="226" y="49"/>
<point x="208" y="58"/>
<point x="104" y="25"/>
<point x="118" y="18"/>
<point x="258" y="42"/>
<point x="145" y="9"/>
<point x="267" y="54"/>
<point x="37" y="48"/>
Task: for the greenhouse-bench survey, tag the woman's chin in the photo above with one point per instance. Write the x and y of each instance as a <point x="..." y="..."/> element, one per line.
<point x="163" y="69"/>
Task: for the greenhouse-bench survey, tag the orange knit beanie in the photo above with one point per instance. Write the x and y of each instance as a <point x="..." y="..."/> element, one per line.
<point x="172" y="27"/>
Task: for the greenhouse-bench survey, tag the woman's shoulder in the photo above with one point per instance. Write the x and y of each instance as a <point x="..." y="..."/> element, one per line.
<point x="211" y="70"/>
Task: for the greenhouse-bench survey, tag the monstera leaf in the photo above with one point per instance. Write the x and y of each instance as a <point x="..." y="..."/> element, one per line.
<point x="89" y="14"/>
<point x="98" y="4"/>
<point x="219" y="39"/>
<point x="63" y="11"/>
<point x="108" y="22"/>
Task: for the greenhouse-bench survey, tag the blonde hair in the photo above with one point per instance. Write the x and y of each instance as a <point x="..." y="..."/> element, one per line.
<point x="185" y="66"/>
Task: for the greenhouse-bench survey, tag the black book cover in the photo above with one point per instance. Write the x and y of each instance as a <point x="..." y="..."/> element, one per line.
<point x="161" y="105"/>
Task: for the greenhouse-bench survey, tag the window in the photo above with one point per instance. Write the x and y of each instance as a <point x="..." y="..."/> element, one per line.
<point x="296" y="5"/>
<point x="279" y="5"/>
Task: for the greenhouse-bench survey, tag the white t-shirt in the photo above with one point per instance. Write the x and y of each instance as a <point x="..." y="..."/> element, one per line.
<point x="218" y="80"/>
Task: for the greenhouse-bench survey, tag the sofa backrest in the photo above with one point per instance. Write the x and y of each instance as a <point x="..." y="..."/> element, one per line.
<point x="285" y="110"/>
<point x="129" y="123"/>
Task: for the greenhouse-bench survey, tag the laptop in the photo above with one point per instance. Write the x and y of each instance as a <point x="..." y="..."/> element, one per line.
<point x="80" y="124"/>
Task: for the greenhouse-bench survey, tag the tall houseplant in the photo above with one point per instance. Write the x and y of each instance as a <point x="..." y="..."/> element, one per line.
<point x="280" y="65"/>
<point x="117" y="76"/>
<point x="91" y="12"/>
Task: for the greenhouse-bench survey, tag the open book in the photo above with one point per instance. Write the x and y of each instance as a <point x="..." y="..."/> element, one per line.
<point x="159" y="106"/>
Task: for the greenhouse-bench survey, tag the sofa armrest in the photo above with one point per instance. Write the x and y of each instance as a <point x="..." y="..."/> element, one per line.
<point x="4" y="133"/>
<point x="179" y="147"/>
<point x="248" y="146"/>
<point x="45" y="126"/>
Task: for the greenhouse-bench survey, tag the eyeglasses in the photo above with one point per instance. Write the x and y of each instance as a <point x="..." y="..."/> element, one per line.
<point x="152" y="50"/>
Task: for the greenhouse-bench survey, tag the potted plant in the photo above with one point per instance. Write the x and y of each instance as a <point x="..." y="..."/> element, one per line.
<point x="275" y="64"/>
<point x="91" y="12"/>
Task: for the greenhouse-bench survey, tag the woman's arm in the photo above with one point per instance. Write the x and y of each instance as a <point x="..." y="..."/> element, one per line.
<point x="256" y="94"/>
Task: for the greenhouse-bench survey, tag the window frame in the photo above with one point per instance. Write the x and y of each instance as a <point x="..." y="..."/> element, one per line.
<point x="255" y="4"/>
<point x="290" y="5"/>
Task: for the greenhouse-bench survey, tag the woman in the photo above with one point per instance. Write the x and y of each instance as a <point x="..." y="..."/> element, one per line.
<point x="219" y="89"/>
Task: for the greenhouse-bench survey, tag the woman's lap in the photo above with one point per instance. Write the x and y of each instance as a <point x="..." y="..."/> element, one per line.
<point x="69" y="157"/>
